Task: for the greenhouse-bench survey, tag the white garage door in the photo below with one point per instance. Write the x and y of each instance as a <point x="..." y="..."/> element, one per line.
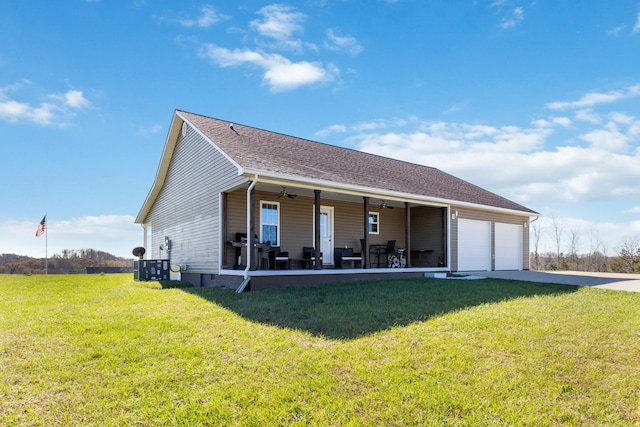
<point x="508" y="247"/>
<point x="474" y="245"/>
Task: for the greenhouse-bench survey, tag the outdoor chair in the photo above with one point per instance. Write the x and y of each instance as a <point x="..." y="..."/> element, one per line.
<point x="276" y="256"/>
<point x="345" y="254"/>
<point x="309" y="253"/>
<point x="391" y="247"/>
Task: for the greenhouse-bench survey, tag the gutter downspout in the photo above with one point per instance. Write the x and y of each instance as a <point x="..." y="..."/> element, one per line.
<point x="249" y="238"/>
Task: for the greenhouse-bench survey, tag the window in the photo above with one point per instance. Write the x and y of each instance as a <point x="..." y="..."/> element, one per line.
<point x="270" y="222"/>
<point x="374" y="223"/>
<point x="324" y="224"/>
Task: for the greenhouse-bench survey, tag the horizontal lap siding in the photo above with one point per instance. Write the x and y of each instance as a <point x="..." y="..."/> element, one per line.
<point x="187" y="207"/>
<point x="428" y="232"/>
<point x="296" y="222"/>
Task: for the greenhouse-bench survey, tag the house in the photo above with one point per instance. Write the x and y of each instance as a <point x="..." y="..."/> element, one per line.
<point x="219" y="182"/>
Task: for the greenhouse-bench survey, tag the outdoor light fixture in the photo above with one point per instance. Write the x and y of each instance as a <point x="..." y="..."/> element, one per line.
<point x="454" y="215"/>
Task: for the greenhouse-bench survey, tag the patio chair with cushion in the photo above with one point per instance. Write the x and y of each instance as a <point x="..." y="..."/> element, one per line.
<point x="345" y="254"/>
<point x="276" y="256"/>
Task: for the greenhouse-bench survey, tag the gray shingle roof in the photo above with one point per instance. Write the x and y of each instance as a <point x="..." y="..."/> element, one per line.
<point x="271" y="152"/>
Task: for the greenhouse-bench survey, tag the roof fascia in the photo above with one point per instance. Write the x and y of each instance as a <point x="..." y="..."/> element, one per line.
<point x="213" y="144"/>
<point x="167" y="154"/>
<point x="163" y="168"/>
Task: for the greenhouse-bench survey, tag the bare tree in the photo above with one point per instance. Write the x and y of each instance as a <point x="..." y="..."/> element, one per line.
<point x="574" y="243"/>
<point x="557" y="229"/>
<point x="597" y="256"/>
<point x="536" y="230"/>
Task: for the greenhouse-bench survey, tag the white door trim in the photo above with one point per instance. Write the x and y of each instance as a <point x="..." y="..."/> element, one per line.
<point x="327" y="240"/>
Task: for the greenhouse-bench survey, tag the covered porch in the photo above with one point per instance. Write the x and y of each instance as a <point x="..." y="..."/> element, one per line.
<point x="358" y="234"/>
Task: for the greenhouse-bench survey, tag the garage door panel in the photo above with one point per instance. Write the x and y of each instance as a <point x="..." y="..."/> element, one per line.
<point x="474" y="245"/>
<point x="508" y="240"/>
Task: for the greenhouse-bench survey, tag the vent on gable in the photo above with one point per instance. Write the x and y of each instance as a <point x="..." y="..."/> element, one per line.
<point x="184" y="128"/>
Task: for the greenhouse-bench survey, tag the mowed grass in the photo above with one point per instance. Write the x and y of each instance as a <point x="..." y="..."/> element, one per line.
<point x="108" y="351"/>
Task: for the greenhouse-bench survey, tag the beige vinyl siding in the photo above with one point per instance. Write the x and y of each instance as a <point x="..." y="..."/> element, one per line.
<point x="428" y="233"/>
<point x="187" y="207"/>
<point x="493" y="217"/>
<point x="296" y="224"/>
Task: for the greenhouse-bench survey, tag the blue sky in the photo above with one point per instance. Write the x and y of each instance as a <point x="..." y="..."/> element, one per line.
<point x="537" y="101"/>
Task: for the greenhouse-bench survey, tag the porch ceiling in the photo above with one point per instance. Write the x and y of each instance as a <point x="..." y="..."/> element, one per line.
<point x="331" y="194"/>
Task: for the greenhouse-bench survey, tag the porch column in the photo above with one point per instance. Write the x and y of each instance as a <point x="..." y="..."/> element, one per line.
<point x="446" y="224"/>
<point x="365" y="240"/>
<point x="407" y="233"/>
<point x="252" y="230"/>
<point x="317" y="265"/>
<point x="223" y="228"/>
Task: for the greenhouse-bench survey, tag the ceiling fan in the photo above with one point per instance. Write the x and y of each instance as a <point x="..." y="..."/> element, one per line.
<point x="284" y="193"/>
<point x="383" y="205"/>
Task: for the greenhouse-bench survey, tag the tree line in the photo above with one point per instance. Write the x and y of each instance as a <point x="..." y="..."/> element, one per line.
<point x="68" y="261"/>
<point x="599" y="257"/>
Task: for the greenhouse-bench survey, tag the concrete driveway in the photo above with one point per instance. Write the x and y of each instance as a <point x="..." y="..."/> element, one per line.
<point x="615" y="281"/>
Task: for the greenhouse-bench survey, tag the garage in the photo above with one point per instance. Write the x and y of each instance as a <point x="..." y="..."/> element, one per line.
<point x="508" y="246"/>
<point x="474" y="245"/>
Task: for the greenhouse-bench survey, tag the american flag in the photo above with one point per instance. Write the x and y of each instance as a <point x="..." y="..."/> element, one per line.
<point x="42" y="227"/>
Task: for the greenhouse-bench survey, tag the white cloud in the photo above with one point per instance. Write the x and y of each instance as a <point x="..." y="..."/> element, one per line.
<point x="622" y="118"/>
<point x="56" y="110"/>
<point x="594" y="98"/>
<point x="511" y="12"/>
<point x="344" y="43"/>
<point x="515" y="161"/>
<point x="588" y="115"/>
<point x="512" y="20"/>
<point x="280" y="74"/>
<point x="608" y="138"/>
<point x="116" y="234"/>
<point x="209" y="16"/>
<point x="370" y="125"/>
<point x="633" y="210"/>
<point x="331" y="130"/>
<point x="149" y="130"/>
<point x="636" y="28"/>
<point x="615" y="31"/>
<point x="75" y="99"/>
<point x="279" y="22"/>
<point x="562" y="121"/>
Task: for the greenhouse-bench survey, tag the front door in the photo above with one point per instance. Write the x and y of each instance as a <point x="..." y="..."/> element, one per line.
<point x="326" y="234"/>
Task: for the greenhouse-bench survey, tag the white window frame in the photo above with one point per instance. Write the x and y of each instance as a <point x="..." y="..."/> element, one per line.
<point x="277" y="204"/>
<point x="376" y="222"/>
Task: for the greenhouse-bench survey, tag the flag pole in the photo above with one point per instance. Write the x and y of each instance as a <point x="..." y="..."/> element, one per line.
<point x="42" y="229"/>
<point x="46" y="248"/>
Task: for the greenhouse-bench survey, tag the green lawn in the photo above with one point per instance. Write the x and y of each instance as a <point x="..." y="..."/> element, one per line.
<point x="108" y="351"/>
